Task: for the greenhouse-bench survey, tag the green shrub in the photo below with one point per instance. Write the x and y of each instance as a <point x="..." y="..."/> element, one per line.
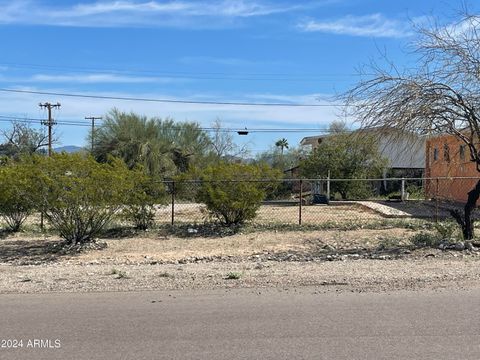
<point x="233" y="276"/>
<point x="233" y="192"/>
<point x="415" y="191"/>
<point x="140" y="202"/>
<point x="19" y="194"/>
<point x="426" y="239"/>
<point x="79" y="195"/>
<point x="447" y="230"/>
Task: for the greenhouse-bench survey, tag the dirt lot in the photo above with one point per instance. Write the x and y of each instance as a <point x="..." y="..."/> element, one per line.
<point x="261" y="259"/>
<point x="380" y="258"/>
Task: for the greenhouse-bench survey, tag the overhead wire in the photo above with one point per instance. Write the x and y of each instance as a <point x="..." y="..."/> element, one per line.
<point x="175" y="101"/>
<point x="28" y="120"/>
<point x="190" y="75"/>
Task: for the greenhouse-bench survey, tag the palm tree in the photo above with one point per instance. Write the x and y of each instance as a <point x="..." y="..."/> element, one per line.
<point x="162" y="147"/>
<point x="282" y="144"/>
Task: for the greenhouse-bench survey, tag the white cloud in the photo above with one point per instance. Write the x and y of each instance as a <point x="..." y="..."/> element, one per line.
<point x="99" y="78"/>
<point x="140" y="13"/>
<point x="253" y="116"/>
<point x="373" y="25"/>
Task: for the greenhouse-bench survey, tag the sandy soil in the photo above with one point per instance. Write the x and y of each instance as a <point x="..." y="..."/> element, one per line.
<point x="138" y="263"/>
<point x="358" y="276"/>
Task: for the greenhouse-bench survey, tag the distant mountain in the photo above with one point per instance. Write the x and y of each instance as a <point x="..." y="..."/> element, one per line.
<point x="68" y="149"/>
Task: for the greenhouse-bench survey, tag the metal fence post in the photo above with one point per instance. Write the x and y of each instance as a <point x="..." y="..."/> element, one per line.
<point x="300" y="204"/>
<point x="402" y="196"/>
<point x="173" y="202"/>
<point x="328" y="186"/>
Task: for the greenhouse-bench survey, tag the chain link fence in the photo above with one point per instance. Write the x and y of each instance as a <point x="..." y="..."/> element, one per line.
<point x="325" y="201"/>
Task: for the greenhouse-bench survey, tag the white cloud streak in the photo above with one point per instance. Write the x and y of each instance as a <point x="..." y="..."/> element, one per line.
<point x="74" y="108"/>
<point x="373" y="25"/>
<point x="141" y="13"/>
<point x="100" y="78"/>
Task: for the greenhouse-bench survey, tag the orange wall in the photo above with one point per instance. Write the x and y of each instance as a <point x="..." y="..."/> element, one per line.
<point x="455" y="166"/>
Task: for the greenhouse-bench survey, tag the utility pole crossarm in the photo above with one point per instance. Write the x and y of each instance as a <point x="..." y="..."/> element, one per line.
<point x="50" y="122"/>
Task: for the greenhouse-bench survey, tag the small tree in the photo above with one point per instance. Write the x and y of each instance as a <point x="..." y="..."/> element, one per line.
<point x="22" y="140"/>
<point x="79" y="195"/>
<point x="140" y="202"/>
<point x="233" y="192"/>
<point x="19" y="194"/>
<point x="345" y="156"/>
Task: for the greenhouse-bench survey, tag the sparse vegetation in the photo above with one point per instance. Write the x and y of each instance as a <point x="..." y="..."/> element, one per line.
<point x="233" y="276"/>
<point x="119" y="274"/>
<point x="19" y="193"/>
<point x="229" y="200"/>
<point x="166" y="275"/>
<point x="446" y="232"/>
<point x="426" y="239"/>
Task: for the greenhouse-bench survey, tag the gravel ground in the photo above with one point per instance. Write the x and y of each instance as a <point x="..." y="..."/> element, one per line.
<point x="348" y="275"/>
<point x="357" y="260"/>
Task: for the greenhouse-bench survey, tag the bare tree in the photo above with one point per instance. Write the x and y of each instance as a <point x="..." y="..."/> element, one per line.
<point x="441" y="95"/>
<point x="223" y="144"/>
<point x="21" y="139"/>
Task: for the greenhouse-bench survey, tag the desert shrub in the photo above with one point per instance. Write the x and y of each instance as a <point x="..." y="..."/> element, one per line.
<point x="415" y="191"/>
<point x="79" y="195"/>
<point x="447" y="230"/>
<point x="233" y="192"/>
<point x="140" y="202"/>
<point x="426" y="239"/>
<point x="19" y="194"/>
<point x="444" y="232"/>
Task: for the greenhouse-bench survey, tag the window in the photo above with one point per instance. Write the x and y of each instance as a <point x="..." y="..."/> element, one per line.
<point x="446" y="153"/>
<point x="435" y="154"/>
<point x="462" y="152"/>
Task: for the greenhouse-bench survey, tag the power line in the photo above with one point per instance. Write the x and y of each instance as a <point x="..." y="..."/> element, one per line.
<point x="8" y="119"/>
<point x="126" y="98"/>
<point x="191" y="75"/>
<point x="27" y="120"/>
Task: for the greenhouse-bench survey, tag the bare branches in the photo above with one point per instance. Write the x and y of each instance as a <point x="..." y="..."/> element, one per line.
<point x="442" y="95"/>
<point x="223" y="144"/>
<point x="22" y="139"/>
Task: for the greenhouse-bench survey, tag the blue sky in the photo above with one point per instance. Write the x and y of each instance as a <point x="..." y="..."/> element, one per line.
<point x="220" y="50"/>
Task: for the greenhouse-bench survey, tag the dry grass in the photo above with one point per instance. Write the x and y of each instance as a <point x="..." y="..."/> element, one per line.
<point x="268" y="214"/>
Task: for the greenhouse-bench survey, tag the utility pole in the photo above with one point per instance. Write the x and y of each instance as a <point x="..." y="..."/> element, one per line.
<point x="93" y="118"/>
<point x="50" y="122"/>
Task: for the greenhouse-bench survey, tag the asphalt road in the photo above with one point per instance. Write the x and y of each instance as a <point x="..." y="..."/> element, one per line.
<point x="242" y="324"/>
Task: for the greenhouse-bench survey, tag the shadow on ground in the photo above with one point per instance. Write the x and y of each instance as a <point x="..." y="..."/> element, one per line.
<point x="29" y="252"/>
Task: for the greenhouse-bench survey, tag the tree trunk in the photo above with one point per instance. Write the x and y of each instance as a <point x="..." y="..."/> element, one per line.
<point x="466" y="221"/>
